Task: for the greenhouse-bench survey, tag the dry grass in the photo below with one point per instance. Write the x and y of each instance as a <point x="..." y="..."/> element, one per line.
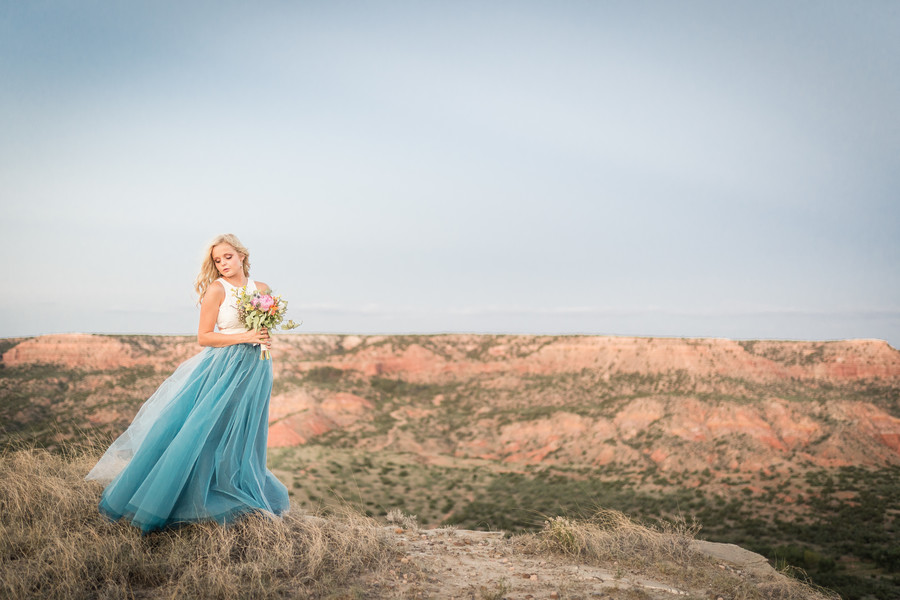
<point x="610" y="536"/>
<point x="55" y="544"/>
<point x="397" y="517"/>
<point x="611" y="539"/>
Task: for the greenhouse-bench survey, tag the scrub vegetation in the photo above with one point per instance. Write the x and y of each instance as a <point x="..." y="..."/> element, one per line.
<point x="439" y="444"/>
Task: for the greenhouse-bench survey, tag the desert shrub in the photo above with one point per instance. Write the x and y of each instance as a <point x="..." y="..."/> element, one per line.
<point x="610" y="535"/>
<point x="324" y="375"/>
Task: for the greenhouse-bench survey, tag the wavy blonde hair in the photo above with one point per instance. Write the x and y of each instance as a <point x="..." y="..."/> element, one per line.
<point x="208" y="271"/>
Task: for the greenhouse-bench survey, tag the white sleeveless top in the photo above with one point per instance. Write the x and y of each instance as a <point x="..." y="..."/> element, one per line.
<point x="228" y="321"/>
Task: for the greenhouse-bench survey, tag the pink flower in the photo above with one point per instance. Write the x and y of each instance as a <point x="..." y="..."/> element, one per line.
<point x="265" y="302"/>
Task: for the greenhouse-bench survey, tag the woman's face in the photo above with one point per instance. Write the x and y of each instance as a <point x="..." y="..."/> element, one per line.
<point x="227" y="260"/>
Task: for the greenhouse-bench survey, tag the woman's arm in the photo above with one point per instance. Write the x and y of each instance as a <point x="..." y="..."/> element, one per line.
<point x="209" y="311"/>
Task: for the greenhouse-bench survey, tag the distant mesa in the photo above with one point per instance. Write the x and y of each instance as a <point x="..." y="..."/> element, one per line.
<point x="686" y="404"/>
<point x="99" y="352"/>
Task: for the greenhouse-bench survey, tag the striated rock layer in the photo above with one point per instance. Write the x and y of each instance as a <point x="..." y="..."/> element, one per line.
<point x="451" y="356"/>
<point x="679" y="404"/>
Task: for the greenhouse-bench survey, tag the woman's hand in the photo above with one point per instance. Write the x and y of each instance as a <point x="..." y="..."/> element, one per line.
<point x="258" y="337"/>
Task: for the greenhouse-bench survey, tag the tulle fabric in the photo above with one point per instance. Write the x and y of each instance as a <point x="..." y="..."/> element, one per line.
<point x="196" y="450"/>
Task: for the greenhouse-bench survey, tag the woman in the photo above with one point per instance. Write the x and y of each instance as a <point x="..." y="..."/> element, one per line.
<point x="196" y="450"/>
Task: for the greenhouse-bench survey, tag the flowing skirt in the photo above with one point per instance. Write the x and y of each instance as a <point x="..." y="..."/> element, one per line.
<point x="196" y="450"/>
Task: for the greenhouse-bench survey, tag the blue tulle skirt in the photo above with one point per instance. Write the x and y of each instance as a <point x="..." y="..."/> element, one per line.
<point x="196" y="451"/>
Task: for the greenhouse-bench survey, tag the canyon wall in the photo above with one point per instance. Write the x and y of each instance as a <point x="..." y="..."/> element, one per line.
<point x="679" y="404"/>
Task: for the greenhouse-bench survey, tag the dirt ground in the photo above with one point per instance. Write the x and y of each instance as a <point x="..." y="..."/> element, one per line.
<point x="477" y="565"/>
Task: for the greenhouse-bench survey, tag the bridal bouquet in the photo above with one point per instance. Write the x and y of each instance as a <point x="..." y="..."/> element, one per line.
<point x="261" y="309"/>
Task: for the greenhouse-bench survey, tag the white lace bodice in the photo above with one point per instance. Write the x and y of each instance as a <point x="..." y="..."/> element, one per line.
<point x="228" y="321"/>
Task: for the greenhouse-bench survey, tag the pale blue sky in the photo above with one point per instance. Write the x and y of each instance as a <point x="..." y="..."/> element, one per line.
<point x="726" y="169"/>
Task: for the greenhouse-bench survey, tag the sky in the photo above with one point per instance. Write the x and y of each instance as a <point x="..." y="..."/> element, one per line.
<point x="688" y="169"/>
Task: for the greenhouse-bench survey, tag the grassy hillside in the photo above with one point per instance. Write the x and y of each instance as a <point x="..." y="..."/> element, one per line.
<point x="55" y="544"/>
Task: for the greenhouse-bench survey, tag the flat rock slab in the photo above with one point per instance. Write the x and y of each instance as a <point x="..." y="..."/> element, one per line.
<point x="447" y="564"/>
<point x="740" y="557"/>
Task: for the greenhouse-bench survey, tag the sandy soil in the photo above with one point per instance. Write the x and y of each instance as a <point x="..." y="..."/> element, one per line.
<point x="446" y="563"/>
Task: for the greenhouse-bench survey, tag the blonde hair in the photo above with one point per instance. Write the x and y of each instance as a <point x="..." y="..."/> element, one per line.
<point x="208" y="271"/>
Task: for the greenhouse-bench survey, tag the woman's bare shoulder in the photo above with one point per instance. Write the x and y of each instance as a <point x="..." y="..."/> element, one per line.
<point x="215" y="293"/>
<point x="261" y="286"/>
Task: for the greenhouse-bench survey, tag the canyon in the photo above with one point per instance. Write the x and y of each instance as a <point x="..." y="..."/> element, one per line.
<point x="686" y="404"/>
<point x="788" y="448"/>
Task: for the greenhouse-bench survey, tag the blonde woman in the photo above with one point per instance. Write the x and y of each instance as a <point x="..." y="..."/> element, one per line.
<point x="196" y="450"/>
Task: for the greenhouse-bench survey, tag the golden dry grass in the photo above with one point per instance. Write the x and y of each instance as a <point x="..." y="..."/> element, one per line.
<point x="610" y="536"/>
<point x="55" y="544"/>
<point x="666" y="552"/>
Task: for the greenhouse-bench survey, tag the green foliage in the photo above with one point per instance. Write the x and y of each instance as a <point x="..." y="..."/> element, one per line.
<point x="788" y="355"/>
<point x="804" y="558"/>
<point x="6" y="344"/>
<point x="400" y="388"/>
<point x="255" y="318"/>
<point x="324" y="376"/>
<point x="130" y="376"/>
